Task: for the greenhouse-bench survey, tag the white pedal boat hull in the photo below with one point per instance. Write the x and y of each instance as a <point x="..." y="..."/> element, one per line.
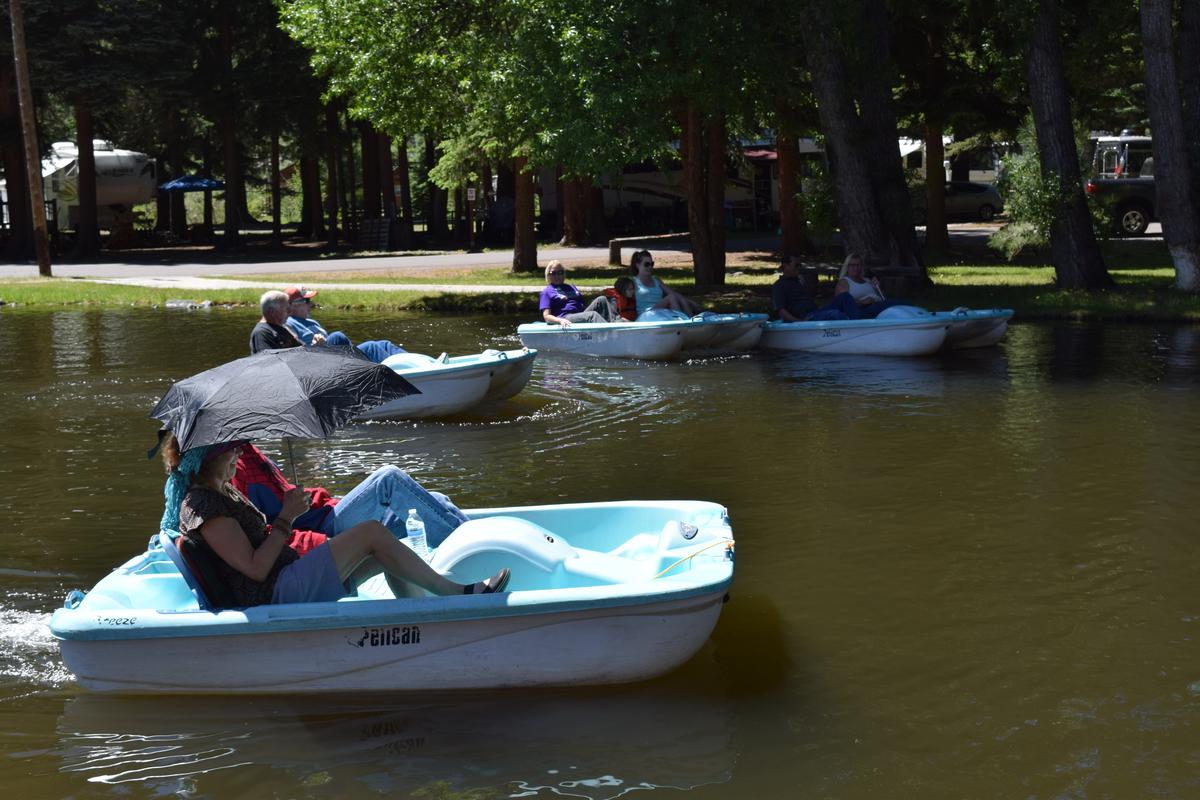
<point x="453" y="385"/>
<point x="975" y="327"/>
<point x="915" y="336"/>
<point x="643" y="340"/>
<point x="592" y="613"/>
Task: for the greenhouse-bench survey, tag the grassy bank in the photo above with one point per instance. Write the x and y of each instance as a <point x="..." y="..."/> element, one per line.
<point x="1144" y="291"/>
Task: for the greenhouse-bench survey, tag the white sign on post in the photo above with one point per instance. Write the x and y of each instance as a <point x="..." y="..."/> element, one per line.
<point x="470" y="194"/>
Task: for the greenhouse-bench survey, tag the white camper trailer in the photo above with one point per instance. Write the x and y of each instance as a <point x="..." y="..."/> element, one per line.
<point x="124" y="178"/>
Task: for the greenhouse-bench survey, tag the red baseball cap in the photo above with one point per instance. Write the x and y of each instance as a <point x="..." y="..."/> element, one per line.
<point x="295" y="293"/>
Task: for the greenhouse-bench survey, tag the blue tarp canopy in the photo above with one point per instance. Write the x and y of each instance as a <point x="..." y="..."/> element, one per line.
<point x="192" y="183"/>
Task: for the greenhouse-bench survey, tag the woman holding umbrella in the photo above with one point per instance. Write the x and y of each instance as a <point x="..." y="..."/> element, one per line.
<point x="252" y="557"/>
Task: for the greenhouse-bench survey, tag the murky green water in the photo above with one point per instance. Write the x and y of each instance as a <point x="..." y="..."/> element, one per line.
<point x="964" y="577"/>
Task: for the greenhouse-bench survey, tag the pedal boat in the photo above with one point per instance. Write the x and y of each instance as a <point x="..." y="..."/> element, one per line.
<point x="732" y="332"/>
<point x="911" y="331"/>
<point x="600" y="593"/>
<point x="656" y="341"/>
<point x="451" y="385"/>
<point x="981" y="327"/>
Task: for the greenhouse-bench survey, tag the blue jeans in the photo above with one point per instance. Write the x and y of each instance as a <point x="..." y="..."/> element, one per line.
<point x="844" y="306"/>
<point x="375" y="349"/>
<point x="386" y="496"/>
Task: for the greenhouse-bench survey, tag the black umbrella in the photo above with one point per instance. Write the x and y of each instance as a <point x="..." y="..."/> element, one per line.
<point x="300" y="391"/>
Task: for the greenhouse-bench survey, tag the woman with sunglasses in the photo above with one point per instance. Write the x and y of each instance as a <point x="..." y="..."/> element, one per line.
<point x="562" y="304"/>
<point x="653" y="293"/>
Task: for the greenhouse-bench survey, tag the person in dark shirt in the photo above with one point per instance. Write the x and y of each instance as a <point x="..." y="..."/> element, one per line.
<point x="790" y="300"/>
<point x="272" y="332"/>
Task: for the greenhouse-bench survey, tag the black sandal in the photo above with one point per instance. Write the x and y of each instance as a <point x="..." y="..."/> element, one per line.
<point x="499" y="584"/>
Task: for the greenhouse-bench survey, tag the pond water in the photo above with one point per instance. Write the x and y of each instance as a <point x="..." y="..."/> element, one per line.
<point x="964" y="576"/>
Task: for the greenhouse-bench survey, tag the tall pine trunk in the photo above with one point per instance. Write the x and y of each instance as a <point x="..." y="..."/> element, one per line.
<point x="1189" y="83"/>
<point x="703" y="153"/>
<point x="12" y="148"/>
<point x="524" y="237"/>
<point x="406" y="206"/>
<point x="175" y="157"/>
<point x="436" y="200"/>
<point x="332" y="168"/>
<point x="792" y="221"/>
<point x="276" y="194"/>
<point x="228" y="125"/>
<point x="369" y="144"/>
<point x="1174" y="187"/>
<point x="87" y="233"/>
<point x="576" y="199"/>
<point x="878" y="111"/>
<point x="1078" y="263"/>
<point x="937" y="237"/>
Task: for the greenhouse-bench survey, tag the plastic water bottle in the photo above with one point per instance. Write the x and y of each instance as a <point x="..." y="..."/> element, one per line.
<point x="416" y="534"/>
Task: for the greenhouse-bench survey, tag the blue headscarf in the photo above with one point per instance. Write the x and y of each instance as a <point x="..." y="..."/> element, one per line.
<point x="176" y="487"/>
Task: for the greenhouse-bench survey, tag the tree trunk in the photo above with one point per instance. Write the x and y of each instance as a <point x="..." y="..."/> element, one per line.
<point x="1078" y="263"/>
<point x="406" y="208"/>
<point x="276" y="194"/>
<point x="387" y="176"/>
<point x="524" y="238"/>
<point x="162" y="200"/>
<point x="228" y="124"/>
<point x="435" y="222"/>
<point x="576" y="198"/>
<point x="792" y="222"/>
<point x="348" y="182"/>
<point x="33" y="162"/>
<point x="462" y="236"/>
<point x="878" y="111"/>
<point x="12" y="147"/>
<point x="312" y="225"/>
<point x="937" y="238"/>
<point x="369" y="142"/>
<point x="845" y="143"/>
<point x="176" y="158"/>
<point x="206" y="157"/>
<point x="1174" y="187"/>
<point x="87" y="234"/>
<point x="597" y="222"/>
<point x="331" y="171"/>
<point x="702" y="148"/>
<point x="1189" y="83"/>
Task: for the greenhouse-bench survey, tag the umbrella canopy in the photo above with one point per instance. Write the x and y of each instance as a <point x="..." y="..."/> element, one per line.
<point x="192" y="183"/>
<point x="300" y="391"/>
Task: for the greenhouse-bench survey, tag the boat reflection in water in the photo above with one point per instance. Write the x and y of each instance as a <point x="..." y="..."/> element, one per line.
<point x="887" y="375"/>
<point x="596" y="745"/>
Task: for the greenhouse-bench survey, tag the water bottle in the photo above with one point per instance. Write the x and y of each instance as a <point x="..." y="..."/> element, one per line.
<point x="416" y="534"/>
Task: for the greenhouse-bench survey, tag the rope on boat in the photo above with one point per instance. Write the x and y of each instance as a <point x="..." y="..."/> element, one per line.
<point x="728" y="544"/>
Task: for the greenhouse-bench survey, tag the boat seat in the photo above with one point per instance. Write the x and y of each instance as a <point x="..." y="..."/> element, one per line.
<point x="199" y="572"/>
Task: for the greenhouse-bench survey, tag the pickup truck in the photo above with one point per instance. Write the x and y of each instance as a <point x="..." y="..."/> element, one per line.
<point x="1124" y="181"/>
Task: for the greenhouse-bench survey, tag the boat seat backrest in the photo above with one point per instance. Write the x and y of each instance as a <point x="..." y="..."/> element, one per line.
<point x="199" y="572"/>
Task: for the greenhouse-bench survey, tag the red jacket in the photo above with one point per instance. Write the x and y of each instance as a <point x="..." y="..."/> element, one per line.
<point x="256" y="470"/>
<point x="626" y="306"/>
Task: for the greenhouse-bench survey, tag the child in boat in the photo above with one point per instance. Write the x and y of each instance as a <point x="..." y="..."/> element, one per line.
<point x="622" y="298"/>
<point x="252" y="558"/>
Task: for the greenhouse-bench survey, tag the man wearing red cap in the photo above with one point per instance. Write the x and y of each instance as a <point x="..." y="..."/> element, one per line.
<point x="313" y="334"/>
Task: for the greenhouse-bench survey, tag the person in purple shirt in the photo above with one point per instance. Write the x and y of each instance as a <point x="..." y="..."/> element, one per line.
<point x="561" y="303"/>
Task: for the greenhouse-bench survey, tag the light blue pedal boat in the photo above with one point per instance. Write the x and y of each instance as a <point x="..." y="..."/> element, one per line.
<point x="975" y="327"/>
<point x="600" y="593"/>
<point x="655" y="335"/>
<point x="454" y="384"/>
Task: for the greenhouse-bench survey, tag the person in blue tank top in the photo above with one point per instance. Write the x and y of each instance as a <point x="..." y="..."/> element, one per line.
<point x="653" y="293"/>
